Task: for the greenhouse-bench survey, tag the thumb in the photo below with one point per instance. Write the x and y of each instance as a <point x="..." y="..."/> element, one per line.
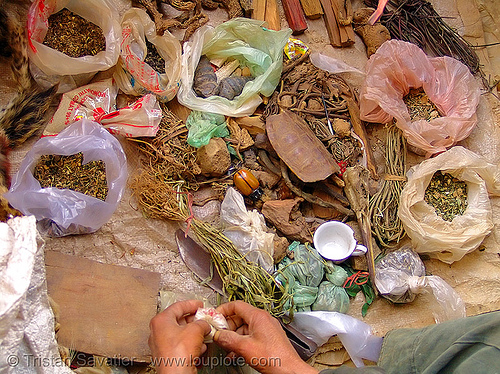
<point x="230" y="340"/>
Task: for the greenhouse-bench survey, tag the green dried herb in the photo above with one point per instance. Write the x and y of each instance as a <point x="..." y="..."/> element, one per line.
<point x="74" y="35"/>
<point x="154" y="59"/>
<point x="419" y="106"/>
<point x="447" y="195"/>
<point x="69" y="172"/>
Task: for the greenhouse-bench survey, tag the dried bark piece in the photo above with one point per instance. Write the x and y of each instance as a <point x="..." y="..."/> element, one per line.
<point x="287" y="218"/>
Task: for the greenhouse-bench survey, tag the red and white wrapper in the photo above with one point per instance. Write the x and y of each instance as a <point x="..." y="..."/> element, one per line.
<point x="97" y="102"/>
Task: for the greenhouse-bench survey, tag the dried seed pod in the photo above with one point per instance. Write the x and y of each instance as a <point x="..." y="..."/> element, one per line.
<point x="205" y="80"/>
<point x="232" y="86"/>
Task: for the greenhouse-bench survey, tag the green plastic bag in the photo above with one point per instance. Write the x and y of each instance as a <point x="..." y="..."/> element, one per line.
<point x="331" y="298"/>
<point x="203" y="126"/>
<point x="335" y="274"/>
<point x="247" y="41"/>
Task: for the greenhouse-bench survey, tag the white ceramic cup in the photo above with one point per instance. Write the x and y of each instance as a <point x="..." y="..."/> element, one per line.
<point x="335" y="241"/>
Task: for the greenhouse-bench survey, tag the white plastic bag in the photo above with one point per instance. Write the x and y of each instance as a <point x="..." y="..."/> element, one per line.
<point x="400" y="275"/>
<point x="53" y="66"/>
<point x="245" y="40"/>
<point x="97" y="102"/>
<point x="356" y="336"/>
<point x="27" y="335"/>
<point x="133" y="75"/>
<point x="61" y="212"/>
<point x="429" y="233"/>
<point x="247" y="230"/>
<point x="398" y="66"/>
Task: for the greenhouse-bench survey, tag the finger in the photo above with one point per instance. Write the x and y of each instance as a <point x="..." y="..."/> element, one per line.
<point x="234" y="322"/>
<point x="238" y="308"/>
<point x="200" y="328"/>
<point x="243" y="330"/>
<point x="180" y="309"/>
<point x="230" y="341"/>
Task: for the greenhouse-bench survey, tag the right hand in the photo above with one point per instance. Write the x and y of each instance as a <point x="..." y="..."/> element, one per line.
<point x="259" y="338"/>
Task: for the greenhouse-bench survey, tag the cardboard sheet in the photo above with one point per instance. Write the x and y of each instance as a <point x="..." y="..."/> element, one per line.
<point x="104" y="309"/>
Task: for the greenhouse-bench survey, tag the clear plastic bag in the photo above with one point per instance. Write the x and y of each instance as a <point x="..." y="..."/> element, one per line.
<point x="56" y="67"/>
<point x="247" y="230"/>
<point x="245" y="40"/>
<point x="398" y="66"/>
<point x="400" y="276"/>
<point x="61" y="212"/>
<point x="97" y="102"/>
<point x="356" y="336"/>
<point x="429" y="233"/>
<point x="133" y="75"/>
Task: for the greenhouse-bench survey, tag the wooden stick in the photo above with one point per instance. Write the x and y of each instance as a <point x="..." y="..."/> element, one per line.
<point x="272" y="17"/>
<point x="259" y="10"/>
<point x="331" y="23"/>
<point x="312" y="8"/>
<point x="294" y="16"/>
<point x="344" y="21"/>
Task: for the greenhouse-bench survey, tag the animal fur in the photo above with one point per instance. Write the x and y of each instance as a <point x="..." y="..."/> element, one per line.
<point x="25" y="115"/>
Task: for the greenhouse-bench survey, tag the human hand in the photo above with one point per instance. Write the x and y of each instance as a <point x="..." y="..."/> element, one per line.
<point x="259" y="338"/>
<point x="176" y="341"/>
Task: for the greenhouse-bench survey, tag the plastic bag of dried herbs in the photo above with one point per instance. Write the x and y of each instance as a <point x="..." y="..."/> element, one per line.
<point x="444" y="116"/>
<point x="71" y="40"/>
<point x="445" y="239"/>
<point x="242" y="39"/>
<point x="149" y="63"/>
<point x="83" y="157"/>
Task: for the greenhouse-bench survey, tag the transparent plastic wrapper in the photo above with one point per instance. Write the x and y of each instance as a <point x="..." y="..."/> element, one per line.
<point x="398" y="66"/>
<point x="247" y="230"/>
<point x="245" y="40"/>
<point x="136" y="77"/>
<point x="400" y="276"/>
<point x="61" y="212"/>
<point x="97" y="102"/>
<point x="53" y="66"/>
<point x="204" y="126"/>
<point x="356" y="336"/>
<point x="216" y="320"/>
<point x="429" y="233"/>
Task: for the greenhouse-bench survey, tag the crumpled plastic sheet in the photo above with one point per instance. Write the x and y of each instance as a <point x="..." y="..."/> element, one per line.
<point x="27" y="338"/>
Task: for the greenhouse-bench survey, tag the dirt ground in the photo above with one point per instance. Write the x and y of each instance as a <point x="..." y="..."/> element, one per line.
<point x="130" y="239"/>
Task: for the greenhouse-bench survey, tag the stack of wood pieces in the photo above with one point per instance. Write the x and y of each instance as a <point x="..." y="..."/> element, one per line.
<point x="338" y="20"/>
<point x="267" y="10"/>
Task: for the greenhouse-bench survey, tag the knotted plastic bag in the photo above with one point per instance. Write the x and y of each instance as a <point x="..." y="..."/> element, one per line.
<point x="398" y="66"/>
<point x="247" y="230"/>
<point x="52" y="66"/>
<point x="204" y="126"/>
<point x="245" y="40"/>
<point x="429" y="233"/>
<point x="136" y="77"/>
<point x="61" y="212"/>
<point x="400" y="276"/>
<point x="97" y="102"/>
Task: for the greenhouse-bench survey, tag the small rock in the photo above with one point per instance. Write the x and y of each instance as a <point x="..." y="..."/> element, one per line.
<point x="341" y="127"/>
<point x="267" y="180"/>
<point x="214" y="158"/>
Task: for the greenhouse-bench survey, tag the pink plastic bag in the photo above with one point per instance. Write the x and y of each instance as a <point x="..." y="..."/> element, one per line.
<point x="398" y="66"/>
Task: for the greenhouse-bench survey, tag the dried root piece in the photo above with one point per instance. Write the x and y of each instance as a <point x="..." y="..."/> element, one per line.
<point x="373" y="36"/>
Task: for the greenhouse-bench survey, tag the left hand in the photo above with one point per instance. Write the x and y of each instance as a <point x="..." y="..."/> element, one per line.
<point x="176" y="341"/>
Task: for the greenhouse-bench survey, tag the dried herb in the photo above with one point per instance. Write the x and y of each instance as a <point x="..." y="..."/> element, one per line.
<point x="420" y="106"/>
<point x="417" y="22"/>
<point x="69" y="172"/>
<point x="74" y="35"/>
<point x="154" y="59"/>
<point x="447" y="195"/>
